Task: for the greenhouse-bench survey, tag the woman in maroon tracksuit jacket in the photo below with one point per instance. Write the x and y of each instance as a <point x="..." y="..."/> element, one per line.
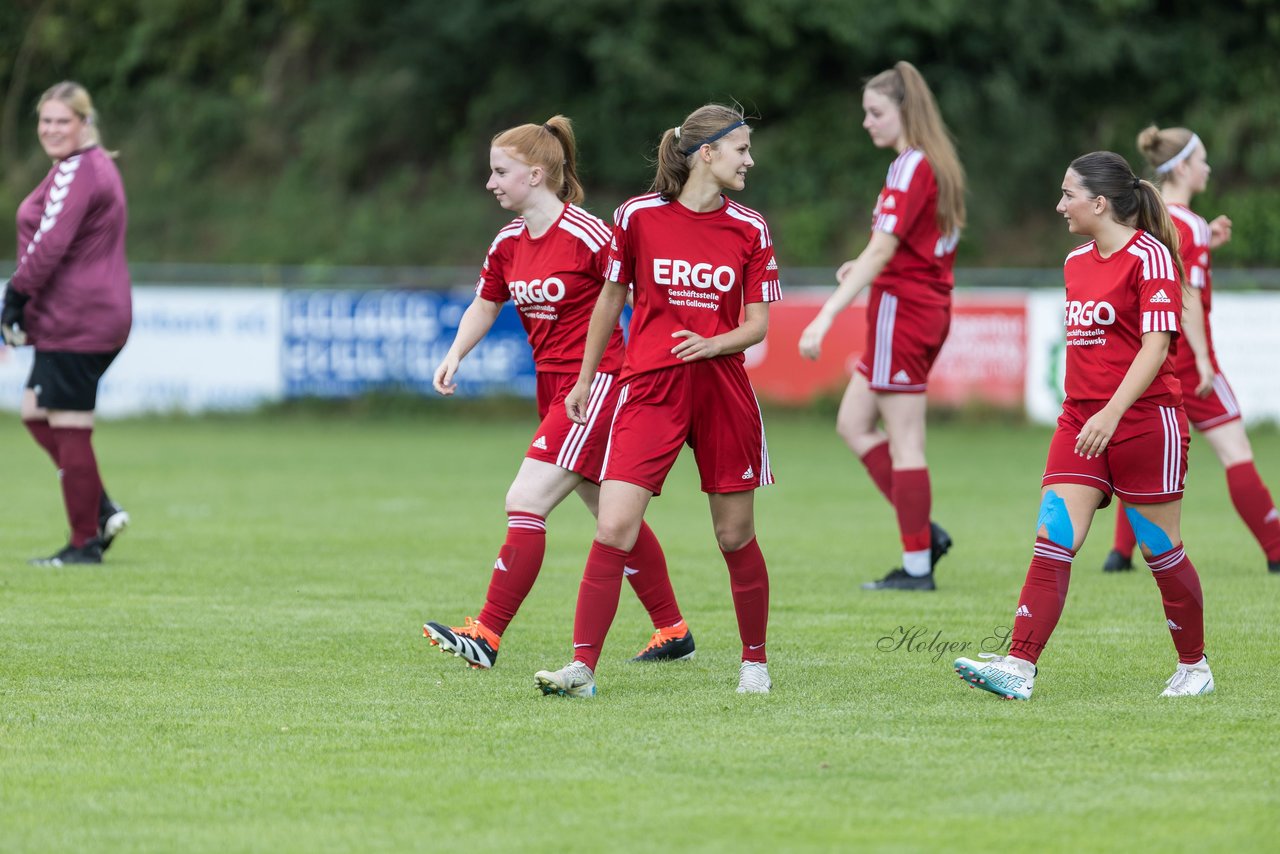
<point x="70" y="298"/>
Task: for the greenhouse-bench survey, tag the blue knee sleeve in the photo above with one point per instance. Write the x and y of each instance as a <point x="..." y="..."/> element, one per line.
<point x="1055" y="521"/>
<point x="1148" y="533"/>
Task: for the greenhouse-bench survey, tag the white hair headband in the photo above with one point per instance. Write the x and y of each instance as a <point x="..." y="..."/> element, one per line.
<point x="1172" y="162"/>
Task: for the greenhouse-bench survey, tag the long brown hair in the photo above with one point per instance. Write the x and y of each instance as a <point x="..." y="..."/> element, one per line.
<point x="1135" y="202"/>
<point x="923" y="128"/>
<point x="679" y="144"/>
<point x="550" y="145"/>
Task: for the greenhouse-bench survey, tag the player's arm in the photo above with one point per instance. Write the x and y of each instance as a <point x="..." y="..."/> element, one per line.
<point x="754" y="326"/>
<point x="476" y="322"/>
<point x="1193" y="333"/>
<point x="1098" y="430"/>
<point x="853" y="277"/>
<point x="604" y="319"/>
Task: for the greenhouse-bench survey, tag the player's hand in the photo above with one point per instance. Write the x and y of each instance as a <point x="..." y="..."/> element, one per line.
<point x="443" y="380"/>
<point x="575" y="405"/>
<point x="1096" y="433"/>
<point x="811" y="338"/>
<point x="843" y="270"/>
<point x="695" y="347"/>
<point x="1205" y="373"/>
<point x="13" y="317"/>
<point x="1219" y="231"/>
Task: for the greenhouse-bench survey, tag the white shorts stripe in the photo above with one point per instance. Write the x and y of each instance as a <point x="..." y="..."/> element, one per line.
<point x="1172" y="449"/>
<point x="608" y="448"/>
<point x="579" y="433"/>
<point x="1224" y="394"/>
<point x="766" y="467"/>
<point x="880" y="374"/>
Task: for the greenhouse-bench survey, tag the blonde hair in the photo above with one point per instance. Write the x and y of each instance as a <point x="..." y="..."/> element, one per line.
<point x="675" y="157"/>
<point x="550" y="145"/>
<point x="923" y="128"/>
<point x="76" y="98"/>
<point x="1160" y="146"/>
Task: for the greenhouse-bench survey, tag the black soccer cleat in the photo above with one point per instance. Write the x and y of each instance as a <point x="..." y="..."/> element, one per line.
<point x="471" y="642"/>
<point x="899" y="579"/>
<point x="669" y="644"/>
<point x="939" y="544"/>
<point x="112" y="519"/>
<point x="1117" y="562"/>
<point x="89" y="553"/>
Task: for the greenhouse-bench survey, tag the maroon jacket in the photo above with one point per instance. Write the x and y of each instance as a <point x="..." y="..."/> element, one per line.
<point x="71" y="257"/>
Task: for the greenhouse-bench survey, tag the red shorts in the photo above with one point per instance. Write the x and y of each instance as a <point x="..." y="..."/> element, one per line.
<point x="1215" y="410"/>
<point x="579" y="448"/>
<point x="1145" y="462"/>
<point x="903" y="340"/>
<point x="707" y="404"/>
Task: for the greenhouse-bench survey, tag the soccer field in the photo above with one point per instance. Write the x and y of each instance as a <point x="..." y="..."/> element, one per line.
<point x="247" y="671"/>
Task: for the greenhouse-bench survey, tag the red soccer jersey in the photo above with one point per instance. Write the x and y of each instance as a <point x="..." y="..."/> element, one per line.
<point x="907" y="208"/>
<point x="1193" y="246"/>
<point x="688" y="270"/>
<point x="1111" y="303"/>
<point x="554" y="281"/>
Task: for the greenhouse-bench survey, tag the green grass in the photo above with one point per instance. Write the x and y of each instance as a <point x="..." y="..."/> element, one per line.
<point x="247" y="671"/>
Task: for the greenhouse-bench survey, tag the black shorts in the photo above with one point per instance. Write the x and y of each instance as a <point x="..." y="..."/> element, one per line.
<point x="68" y="381"/>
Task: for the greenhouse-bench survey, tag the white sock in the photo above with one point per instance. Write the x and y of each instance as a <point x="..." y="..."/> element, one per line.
<point x="917" y="564"/>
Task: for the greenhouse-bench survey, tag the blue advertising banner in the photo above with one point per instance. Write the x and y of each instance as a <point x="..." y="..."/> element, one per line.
<point x="339" y="343"/>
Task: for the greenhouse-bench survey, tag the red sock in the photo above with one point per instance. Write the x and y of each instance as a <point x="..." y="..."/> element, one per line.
<point x="1040" y="603"/>
<point x="647" y="571"/>
<point x="43" y="435"/>
<point x="597" y="602"/>
<point x="81" y="485"/>
<point x="1183" y="601"/>
<point x="515" y="570"/>
<point x="749" y="583"/>
<point x="1124" y="540"/>
<point x="880" y="466"/>
<point x="912" y="499"/>
<point x="1256" y="507"/>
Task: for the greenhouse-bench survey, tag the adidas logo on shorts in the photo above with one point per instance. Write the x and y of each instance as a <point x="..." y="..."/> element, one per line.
<point x="749" y="473"/>
<point x="540" y="443"/>
<point x="1023" y="611"/>
<point x="901" y="377"/>
<point x="1161" y="296"/>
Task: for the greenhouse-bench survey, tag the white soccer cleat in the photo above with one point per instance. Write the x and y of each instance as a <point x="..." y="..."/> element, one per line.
<point x="1190" y="680"/>
<point x="753" y="678"/>
<point x="1002" y="675"/>
<point x="572" y="680"/>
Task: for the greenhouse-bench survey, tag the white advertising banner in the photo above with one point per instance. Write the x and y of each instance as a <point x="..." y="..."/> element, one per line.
<point x="1244" y="337"/>
<point x="191" y="349"/>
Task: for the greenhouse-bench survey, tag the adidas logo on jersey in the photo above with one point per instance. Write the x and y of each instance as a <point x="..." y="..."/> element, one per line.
<point x="540" y="443"/>
<point x="1023" y="611"/>
<point x="1161" y="296"/>
<point x="1174" y="627"/>
<point x="749" y="473"/>
<point x="901" y="377"/>
<point x="773" y="264"/>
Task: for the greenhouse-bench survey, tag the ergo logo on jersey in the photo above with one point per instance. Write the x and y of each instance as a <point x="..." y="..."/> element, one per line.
<point x="1090" y="313"/>
<point x="550" y="289"/>
<point x="682" y="274"/>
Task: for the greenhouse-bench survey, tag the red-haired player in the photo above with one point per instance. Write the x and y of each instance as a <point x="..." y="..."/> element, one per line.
<point x="1179" y="161"/>
<point x="1122" y="431"/>
<point x="908" y="264"/>
<point x="703" y="272"/>
<point x="550" y="262"/>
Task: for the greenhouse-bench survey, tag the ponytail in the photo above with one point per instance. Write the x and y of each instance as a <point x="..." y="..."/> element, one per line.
<point x="550" y="145"/>
<point x="679" y="145"/>
<point x="1135" y="202"/>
